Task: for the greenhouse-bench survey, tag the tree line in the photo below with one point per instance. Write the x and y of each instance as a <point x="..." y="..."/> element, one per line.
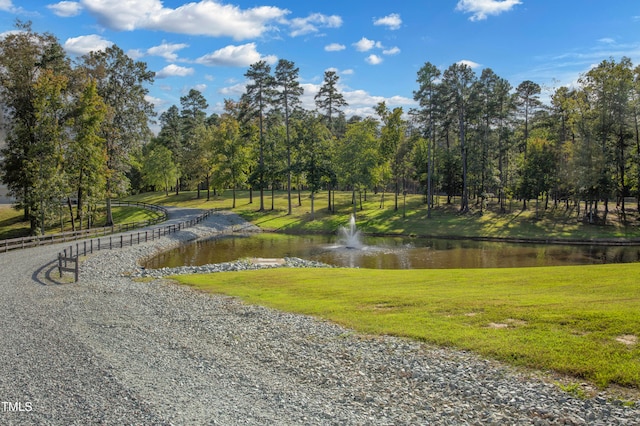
<point x="80" y="132"/>
<point x="70" y="129"/>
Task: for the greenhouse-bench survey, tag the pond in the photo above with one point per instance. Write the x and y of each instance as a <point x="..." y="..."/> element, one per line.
<point x="392" y="253"/>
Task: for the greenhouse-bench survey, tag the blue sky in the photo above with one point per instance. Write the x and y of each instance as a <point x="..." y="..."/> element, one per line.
<point x="375" y="46"/>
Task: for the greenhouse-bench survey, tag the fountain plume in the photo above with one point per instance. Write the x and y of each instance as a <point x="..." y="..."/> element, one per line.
<point x="351" y="235"/>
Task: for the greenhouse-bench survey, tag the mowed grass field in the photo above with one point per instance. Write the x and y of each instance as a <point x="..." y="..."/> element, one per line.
<point x="411" y="218"/>
<point x="583" y="321"/>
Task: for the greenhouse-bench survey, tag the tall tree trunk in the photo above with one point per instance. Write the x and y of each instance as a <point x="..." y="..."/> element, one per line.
<point x="208" y="188"/>
<point x="79" y="210"/>
<point x="73" y="223"/>
<point x="397" y="190"/>
<point x="313" y="198"/>
<point x="109" y="221"/>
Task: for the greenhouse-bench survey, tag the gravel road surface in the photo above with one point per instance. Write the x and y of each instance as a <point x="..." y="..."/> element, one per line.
<point x="114" y="350"/>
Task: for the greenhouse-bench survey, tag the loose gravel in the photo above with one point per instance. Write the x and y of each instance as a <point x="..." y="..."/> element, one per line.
<point x="117" y="349"/>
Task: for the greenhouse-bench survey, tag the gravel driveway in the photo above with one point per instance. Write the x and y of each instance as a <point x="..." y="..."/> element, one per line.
<point x="113" y="350"/>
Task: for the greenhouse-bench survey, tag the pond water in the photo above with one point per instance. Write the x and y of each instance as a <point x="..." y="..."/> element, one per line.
<point x="392" y="253"/>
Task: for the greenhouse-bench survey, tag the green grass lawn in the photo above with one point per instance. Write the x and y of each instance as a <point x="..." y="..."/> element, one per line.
<point x="445" y="221"/>
<point x="581" y="321"/>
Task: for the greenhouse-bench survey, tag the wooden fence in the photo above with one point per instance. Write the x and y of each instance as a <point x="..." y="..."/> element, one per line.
<point x="73" y="252"/>
<point x="38" y="240"/>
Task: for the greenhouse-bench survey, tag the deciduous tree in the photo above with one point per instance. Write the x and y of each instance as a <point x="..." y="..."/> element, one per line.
<point x="121" y="83"/>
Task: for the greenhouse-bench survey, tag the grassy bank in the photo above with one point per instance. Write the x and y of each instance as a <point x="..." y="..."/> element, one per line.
<point x="581" y="321"/>
<point x="12" y="224"/>
<point x="411" y="218"/>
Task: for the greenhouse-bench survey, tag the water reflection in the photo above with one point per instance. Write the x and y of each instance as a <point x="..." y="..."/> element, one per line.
<point x="392" y="253"/>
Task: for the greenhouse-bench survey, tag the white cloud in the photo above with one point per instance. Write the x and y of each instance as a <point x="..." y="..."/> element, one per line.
<point x="392" y="21"/>
<point x="364" y="44"/>
<point x="166" y="50"/>
<point x="234" y="91"/>
<point x="200" y="87"/>
<point x="6" y="5"/>
<point x="312" y="23"/>
<point x="66" y="9"/>
<point x="343" y="72"/>
<point x="235" y="56"/>
<point x="607" y="40"/>
<point x="205" y="17"/>
<point x="334" y="47"/>
<point x="468" y="63"/>
<point x="480" y="9"/>
<point x="392" y="51"/>
<point x="173" y="70"/>
<point x="85" y="44"/>
<point x="374" y="59"/>
<point x="135" y="53"/>
<point x="157" y="102"/>
<point x="362" y="102"/>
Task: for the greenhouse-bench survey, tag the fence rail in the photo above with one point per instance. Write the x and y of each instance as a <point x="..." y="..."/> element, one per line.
<point x="62" y="237"/>
<point x="73" y="252"/>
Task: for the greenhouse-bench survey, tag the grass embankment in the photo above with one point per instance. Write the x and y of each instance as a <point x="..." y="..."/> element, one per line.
<point x="12" y="224"/>
<point x="582" y="321"/>
<point x="558" y="223"/>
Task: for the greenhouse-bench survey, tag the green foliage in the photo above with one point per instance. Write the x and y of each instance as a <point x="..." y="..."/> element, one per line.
<point x="121" y="83"/>
<point x="86" y="155"/>
<point x="32" y="82"/>
<point x="358" y="156"/>
<point x="158" y="169"/>
<point x="329" y="99"/>
<point x="231" y="154"/>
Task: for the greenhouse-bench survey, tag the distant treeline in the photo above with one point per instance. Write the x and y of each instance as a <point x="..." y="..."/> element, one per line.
<point x="81" y="132"/>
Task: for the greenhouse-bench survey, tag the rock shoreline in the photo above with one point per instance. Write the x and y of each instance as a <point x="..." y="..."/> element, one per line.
<point x="238" y="265"/>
